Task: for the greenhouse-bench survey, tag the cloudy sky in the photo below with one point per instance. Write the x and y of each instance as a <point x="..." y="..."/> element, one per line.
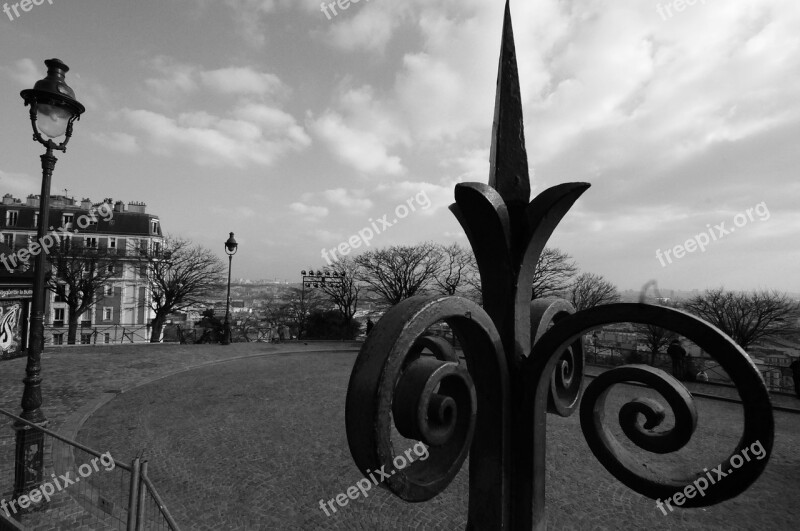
<point x="295" y="128"/>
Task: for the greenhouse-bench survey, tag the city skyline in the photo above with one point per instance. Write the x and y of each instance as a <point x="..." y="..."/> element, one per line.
<point x="296" y="130"/>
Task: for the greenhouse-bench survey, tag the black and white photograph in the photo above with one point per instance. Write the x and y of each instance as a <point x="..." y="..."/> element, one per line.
<point x="483" y="265"/>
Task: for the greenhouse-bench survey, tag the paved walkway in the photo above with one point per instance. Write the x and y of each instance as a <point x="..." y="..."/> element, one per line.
<point x="255" y="443"/>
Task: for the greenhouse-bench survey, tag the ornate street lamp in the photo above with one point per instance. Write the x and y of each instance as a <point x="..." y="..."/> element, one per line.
<point x="230" y="249"/>
<point x="523" y="359"/>
<point x="53" y="110"/>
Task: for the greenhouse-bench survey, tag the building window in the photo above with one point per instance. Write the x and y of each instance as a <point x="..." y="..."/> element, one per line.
<point x="108" y="291"/>
<point x="112" y="243"/>
<point x="156" y="248"/>
<point x="106" y="338"/>
<point x="107" y="313"/>
<point x="8" y="239"/>
<point x="90" y="242"/>
<point x="11" y="218"/>
<point x="36" y="220"/>
<point x="110" y="269"/>
<point x="58" y="317"/>
<point x="86" y="339"/>
<point x="66" y="220"/>
<point x="65" y="242"/>
<point x="61" y="293"/>
<point x="58" y="339"/>
<point x="154" y="226"/>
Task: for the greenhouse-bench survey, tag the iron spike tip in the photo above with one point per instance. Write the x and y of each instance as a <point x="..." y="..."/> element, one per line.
<point x="508" y="172"/>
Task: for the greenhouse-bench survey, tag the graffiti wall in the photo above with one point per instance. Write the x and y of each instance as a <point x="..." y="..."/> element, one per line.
<point x="10" y="329"/>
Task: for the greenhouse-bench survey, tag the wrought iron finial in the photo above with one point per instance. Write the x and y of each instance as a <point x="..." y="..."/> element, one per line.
<point x="522" y="359"/>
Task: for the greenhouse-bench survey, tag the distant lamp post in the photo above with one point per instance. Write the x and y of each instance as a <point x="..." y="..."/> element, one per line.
<point x="316" y="279"/>
<point x="230" y="249"/>
<point x="53" y="110"/>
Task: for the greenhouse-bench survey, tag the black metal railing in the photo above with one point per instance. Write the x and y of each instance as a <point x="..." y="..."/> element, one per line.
<point x="99" y="492"/>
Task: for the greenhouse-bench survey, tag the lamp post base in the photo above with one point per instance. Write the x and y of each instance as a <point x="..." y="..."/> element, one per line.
<point x="29" y="458"/>
<point x="226" y="334"/>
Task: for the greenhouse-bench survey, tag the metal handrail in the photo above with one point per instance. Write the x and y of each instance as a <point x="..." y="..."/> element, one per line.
<point x="61" y="438"/>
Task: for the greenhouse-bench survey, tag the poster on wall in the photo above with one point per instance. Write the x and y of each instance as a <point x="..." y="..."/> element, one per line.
<point x="9" y="327"/>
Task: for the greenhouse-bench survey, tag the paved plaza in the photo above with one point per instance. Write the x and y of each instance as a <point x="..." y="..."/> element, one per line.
<point x="251" y="436"/>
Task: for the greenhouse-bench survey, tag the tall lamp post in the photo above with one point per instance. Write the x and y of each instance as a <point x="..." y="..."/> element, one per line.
<point x="230" y="249"/>
<point x="53" y="110"/>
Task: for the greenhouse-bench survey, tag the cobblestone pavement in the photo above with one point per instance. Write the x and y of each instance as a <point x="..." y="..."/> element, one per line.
<point x="255" y="443"/>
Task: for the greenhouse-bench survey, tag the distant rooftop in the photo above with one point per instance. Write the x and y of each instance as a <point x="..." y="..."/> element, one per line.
<point x="63" y="201"/>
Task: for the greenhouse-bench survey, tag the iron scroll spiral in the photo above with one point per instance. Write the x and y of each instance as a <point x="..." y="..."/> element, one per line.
<point x="432" y="400"/>
<point x="566" y="382"/>
<point x="758" y="419"/>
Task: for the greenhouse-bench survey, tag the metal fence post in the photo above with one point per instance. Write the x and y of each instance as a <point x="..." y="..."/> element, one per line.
<point x="142" y="499"/>
<point x="133" y="496"/>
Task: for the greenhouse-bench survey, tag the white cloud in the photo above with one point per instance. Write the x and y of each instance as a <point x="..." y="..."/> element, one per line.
<point x="122" y="142"/>
<point x="25" y="72"/>
<point x="243" y="81"/>
<point x="369" y="29"/>
<point x="363" y="150"/>
<point x="213" y="141"/>
<point x="309" y="210"/>
<point x="353" y="201"/>
<point x="176" y="79"/>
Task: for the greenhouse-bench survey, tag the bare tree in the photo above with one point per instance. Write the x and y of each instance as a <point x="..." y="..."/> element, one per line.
<point x="399" y="272"/>
<point x="656" y="339"/>
<point x="179" y="276"/>
<point x="297" y="309"/>
<point x="473" y="281"/>
<point x="345" y="290"/>
<point x="554" y="272"/>
<point x="79" y="272"/>
<point x="746" y="317"/>
<point x="455" y="271"/>
<point x="590" y="290"/>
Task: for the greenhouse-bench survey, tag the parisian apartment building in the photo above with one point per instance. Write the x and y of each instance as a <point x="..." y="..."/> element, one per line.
<point x="125" y="230"/>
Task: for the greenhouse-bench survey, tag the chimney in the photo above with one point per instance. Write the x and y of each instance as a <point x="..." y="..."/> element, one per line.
<point x="86" y="204"/>
<point x="135" y="206"/>
<point x="119" y="206"/>
<point x="8" y="199"/>
<point x="33" y="200"/>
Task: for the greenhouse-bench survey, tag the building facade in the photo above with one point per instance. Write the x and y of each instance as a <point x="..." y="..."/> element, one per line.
<point x="121" y="311"/>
